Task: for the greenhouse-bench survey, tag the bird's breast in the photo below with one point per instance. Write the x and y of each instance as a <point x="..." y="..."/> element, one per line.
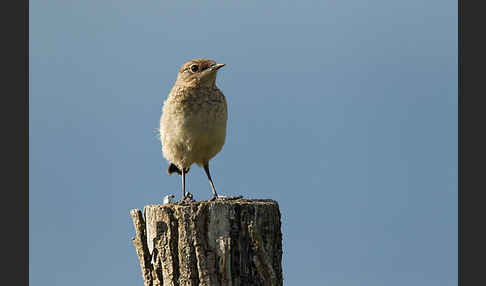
<point x="193" y="124"/>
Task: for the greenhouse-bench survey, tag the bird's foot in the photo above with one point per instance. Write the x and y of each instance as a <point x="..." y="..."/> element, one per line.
<point x="188" y="198"/>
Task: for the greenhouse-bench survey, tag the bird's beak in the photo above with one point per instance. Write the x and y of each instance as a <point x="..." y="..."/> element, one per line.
<point x="217" y="67"/>
<point x="209" y="73"/>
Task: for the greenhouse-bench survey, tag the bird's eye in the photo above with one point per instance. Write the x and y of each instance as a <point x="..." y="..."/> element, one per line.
<point x="194" y="68"/>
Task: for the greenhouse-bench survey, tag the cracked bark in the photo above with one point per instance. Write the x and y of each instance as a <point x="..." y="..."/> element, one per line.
<point x="221" y="243"/>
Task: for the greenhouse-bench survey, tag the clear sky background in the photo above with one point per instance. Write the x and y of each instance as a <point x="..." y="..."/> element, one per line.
<point x="345" y="112"/>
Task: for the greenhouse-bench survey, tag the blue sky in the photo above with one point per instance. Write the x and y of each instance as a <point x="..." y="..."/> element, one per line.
<point x="345" y="112"/>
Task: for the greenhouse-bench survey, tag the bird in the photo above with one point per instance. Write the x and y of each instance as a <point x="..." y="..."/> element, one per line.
<point x="193" y="121"/>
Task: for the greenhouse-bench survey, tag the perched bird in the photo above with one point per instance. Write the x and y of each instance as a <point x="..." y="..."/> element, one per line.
<point x="193" y="122"/>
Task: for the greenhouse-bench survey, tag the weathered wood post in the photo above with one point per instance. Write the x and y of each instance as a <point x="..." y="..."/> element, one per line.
<point x="218" y="243"/>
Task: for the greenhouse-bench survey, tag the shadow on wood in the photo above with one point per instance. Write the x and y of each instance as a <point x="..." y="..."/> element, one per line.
<point x="207" y="243"/>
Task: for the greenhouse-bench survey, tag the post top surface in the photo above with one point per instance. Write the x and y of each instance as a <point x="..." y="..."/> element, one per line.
<point x="217" y="202"/>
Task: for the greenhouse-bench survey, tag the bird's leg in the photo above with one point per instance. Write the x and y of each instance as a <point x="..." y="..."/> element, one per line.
<point x="183" y="171"/>
<point x="206" y="169"/>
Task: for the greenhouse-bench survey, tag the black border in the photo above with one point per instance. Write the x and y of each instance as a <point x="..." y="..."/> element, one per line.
<point x="14" y="118"/>
<point x="472" y="143"/>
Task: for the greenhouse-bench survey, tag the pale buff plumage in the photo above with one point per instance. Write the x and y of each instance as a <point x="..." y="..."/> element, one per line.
<point x="194" y="115"/>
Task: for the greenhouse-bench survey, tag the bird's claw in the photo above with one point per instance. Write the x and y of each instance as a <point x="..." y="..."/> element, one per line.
<point x="187" y="198"/>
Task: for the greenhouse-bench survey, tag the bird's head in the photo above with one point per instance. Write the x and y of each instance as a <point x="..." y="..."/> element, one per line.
<point x="198" y="72"/>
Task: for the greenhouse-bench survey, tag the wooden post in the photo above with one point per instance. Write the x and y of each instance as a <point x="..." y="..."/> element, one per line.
<point x="219" y="243"/>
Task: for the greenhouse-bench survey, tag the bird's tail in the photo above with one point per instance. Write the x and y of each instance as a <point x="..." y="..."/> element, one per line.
<point x="174" y="169"/>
